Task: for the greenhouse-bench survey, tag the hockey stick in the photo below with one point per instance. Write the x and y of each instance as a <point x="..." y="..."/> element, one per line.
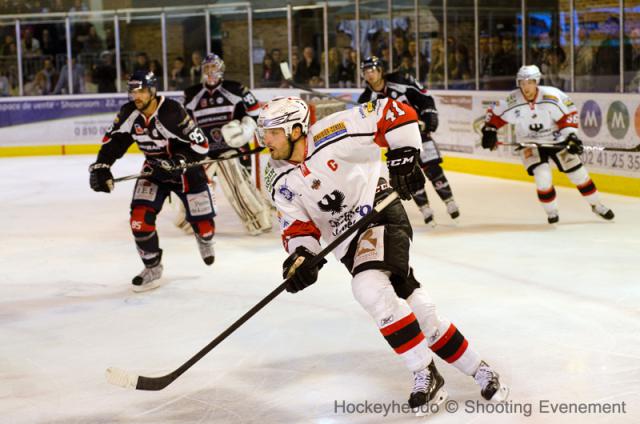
<point x="194" y="164"/>
<point x="585" y="146"/>
<point x="286" y="73"/>
<point x="120" y="377"/>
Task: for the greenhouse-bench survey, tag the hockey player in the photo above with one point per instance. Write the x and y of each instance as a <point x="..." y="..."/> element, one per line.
<point x="323" y="179"/>
<point x="546" y="115"/>
<point x="226" y="111"/>
<point x="407" y="90"/>
<point x="169" y="138"/>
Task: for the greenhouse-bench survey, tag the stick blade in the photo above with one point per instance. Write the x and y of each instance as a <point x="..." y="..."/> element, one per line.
<point x="286" y="71"/>
<point x="119" y="377"/>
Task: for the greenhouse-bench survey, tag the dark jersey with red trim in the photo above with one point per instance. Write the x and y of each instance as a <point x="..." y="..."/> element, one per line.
<point x="336" y="184"/>
<point x="169" y="131"/>
<point x="212" y="107"/>
<point x="550" y="117"/>
<point x="403" y="89"/>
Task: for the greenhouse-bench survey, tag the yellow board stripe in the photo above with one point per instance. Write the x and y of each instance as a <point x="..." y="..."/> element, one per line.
<point x="608" y="183"/>
<point x="65" y="149"/>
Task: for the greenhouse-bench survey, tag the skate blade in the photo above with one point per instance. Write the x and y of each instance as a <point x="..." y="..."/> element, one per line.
<point x="432" y="407"/>
<point x="501" y="395"/>
<point x="145" y="287"/>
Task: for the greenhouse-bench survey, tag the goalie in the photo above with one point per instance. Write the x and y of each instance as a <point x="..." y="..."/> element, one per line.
<point x="226" y="111"/>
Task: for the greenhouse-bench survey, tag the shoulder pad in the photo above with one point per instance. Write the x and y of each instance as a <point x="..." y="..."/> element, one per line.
<point x="235" y="87"/>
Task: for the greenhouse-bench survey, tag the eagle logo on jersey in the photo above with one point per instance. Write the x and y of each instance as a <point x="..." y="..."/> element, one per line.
<point x="286" y="192"/>
<point x="332" y="202"/>
<point x="315" y="184"/>
<point x="535" y="127"/>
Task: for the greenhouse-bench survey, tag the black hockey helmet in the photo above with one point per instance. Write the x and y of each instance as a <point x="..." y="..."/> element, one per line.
<point x="372" y="62"/>
<point x="143" y="79"/>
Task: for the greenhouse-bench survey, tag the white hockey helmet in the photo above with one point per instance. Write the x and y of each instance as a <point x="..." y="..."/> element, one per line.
<point x="285" y="113"/>
<point x="528" y="72"/>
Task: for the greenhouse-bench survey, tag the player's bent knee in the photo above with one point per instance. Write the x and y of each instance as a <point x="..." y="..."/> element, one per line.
<point x="372" y="289"/>
<point x="143" y="219"/>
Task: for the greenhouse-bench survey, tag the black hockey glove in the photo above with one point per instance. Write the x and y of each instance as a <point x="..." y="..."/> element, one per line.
<point x="404" y="171"/>
<point x="430" y="119"/>
<point x="574" y="144"/>
<point x="168" y="169"/>
<point x="489" y="137"/>
<point x="100" y="177"/>
<point x="297" y="270"/>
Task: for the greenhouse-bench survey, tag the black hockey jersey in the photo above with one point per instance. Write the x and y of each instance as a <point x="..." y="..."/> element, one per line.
<point x="402" y="89"/>
<point x="211" y="108"/>
<point x="169" y="131"/>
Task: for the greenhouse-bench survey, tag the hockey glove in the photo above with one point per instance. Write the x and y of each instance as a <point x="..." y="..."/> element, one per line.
<point x="404" y="171"/>
<point x="168" y="169"/>
<point x="489" y="137"/>
<point x="297" y="271"/>
<point x="430" y="118"/>
<point x="100" y="177"/>
<point x="238" y="133"/>
<point x="574" y="144"/>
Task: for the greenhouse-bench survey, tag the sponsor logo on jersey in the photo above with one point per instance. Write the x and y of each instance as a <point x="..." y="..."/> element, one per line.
<point x="333" y="202"/>
<point x="315" y="184"/>
<point x="286" y="192"/>
<point x="269" y="177"/>
<point x="511" y="100"/>
<point x="203" y="102"/>
<point x="138" y="129"/>
<point x="329" y="133"/>
<point x="568" y="103"/>
<point x="216" y="135"/>
<point x="219" y="100"/>
<point x="550" y="97"/>
<point x="154" y="132"/>
<point x="535" y="127"/>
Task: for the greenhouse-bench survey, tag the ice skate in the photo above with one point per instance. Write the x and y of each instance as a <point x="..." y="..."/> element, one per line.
<point x="427" y="214"/>
<point x="603" y="211"/>
<point x="206" y="250"/>
<point x="147" y="279"/>
<point x="489" y="382"/>
<point x="428" y="392"/>
<point x="452" y="208"/>
<point x="553" y="218"/>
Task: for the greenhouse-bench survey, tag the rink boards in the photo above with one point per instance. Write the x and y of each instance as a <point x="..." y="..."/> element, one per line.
<point x="75" y="125"/>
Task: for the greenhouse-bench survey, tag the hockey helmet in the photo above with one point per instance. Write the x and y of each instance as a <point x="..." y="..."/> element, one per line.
<point x="142" y="79"/>
<point x="528" y="72"/>
<point x="285" y="113"/>
<point x="371" y="62"/>
<point x="212" y="69"/>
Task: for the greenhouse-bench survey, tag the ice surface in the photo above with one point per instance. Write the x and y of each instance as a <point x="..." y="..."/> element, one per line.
<point x="555" y="309"/>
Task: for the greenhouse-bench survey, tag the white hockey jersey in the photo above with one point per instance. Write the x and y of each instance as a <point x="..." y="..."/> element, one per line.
<point x="335" y="185"/>
<point x="551" y="117"/>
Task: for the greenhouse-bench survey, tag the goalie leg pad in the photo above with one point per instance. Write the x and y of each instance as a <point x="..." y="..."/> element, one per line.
<point x="248" y="202"/>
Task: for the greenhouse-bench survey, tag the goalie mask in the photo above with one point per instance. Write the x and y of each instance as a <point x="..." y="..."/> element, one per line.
<point x="212" y="69"/>
<point x="285" y="113"/>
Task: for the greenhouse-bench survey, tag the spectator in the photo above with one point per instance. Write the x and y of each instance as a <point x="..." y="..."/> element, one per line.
<point x="334" y="66"/>
<point x="178" y="77"/>
<point x="308" y="67"/>
<point x="105" y="74"/>
<point x="553" y="68"/>
<point x="406" y="67"/>
<point x="110" y="39"/>
<point x="460" y="78"/>
<point x="435" y="77"/>
<point x="30" y="45"/>
<point x="608" y="57"/>
<point x="348" y="69"/>
<point x="195" y="72"/>
<point x="412" y="49"/>
<point x="295" y="59"/>
<point x="7" y="45"/>
<point x="585" y="55"/>
<point x="77" y="76"/>
<point x="93" y="43"/>
<point x="48" y="44"/>
<point x="47" y="76"/>
<point x="271" y="75"/>
<point x="5" y="86"/>
<point x="142" y="63"/>
<point x="276" y="55"/>
<point x="156" y="68"/>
